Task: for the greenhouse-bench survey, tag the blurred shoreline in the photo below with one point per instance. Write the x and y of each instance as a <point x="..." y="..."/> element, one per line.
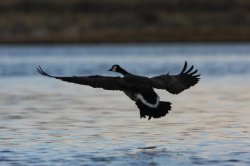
<point x="111" y="21"/>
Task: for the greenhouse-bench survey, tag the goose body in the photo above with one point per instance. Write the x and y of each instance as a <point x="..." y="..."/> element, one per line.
<point x="139" y="88"/>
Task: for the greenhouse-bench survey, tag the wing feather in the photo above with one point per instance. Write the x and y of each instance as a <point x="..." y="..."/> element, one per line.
<point x="108" y="83"/>
<point x="176" y="83"/>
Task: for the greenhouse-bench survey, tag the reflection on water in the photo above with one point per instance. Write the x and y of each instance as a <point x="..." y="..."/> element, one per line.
<point x="48" y="122"/>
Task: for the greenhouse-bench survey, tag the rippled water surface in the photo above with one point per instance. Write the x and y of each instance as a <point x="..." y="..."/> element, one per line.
<point x="49" y="122"/>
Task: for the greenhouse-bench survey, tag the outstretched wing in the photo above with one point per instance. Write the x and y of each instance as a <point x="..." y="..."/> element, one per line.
<point x="176" y="83"/>
<point x="108" y="83"/>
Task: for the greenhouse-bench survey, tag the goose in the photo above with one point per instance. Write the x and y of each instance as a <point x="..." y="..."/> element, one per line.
<point x="140" y="89"/>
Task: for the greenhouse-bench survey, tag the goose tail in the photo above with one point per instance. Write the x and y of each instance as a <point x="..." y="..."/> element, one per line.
<point x="161" y="111"/>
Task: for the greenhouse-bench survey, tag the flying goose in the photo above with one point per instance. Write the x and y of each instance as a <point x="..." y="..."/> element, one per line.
<point x="139" y="88"/>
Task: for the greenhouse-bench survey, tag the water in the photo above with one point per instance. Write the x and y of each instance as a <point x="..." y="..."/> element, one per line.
<point x="212" y="60"/>
<point x="49" y="122"/>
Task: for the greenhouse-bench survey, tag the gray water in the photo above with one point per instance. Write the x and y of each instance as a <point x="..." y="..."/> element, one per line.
<point x="50" y="122"/>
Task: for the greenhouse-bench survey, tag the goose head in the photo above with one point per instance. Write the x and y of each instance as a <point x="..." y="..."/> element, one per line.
<point x="115" y="68"/>
<point x="118" y="69"/>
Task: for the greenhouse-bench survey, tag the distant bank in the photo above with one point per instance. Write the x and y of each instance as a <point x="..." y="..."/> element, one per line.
<point x="63" y="21"/>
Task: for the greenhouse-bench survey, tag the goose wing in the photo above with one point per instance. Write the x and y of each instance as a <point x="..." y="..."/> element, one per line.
<point x="176" y="83"/>
<point x="108" y="83"/>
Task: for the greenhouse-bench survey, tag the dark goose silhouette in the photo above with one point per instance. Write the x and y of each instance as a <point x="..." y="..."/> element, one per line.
<point x="139" y="88"/>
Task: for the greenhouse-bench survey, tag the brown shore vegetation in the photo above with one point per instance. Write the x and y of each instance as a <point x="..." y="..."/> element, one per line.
<point x="48" y="21"/>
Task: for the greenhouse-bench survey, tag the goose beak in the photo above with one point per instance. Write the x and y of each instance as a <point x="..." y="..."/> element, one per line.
<point x="110" y="69"/>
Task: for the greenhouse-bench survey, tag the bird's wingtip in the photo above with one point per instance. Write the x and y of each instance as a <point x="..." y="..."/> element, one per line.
<point x="42" y="72"/>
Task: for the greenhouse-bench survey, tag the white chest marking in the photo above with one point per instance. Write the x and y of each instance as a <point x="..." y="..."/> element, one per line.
<point x="140" y="97"/>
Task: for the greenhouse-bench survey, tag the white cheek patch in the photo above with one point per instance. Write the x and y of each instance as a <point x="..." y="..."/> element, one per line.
<point x="114" y="68"/>
<point x="140" y="97"/>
